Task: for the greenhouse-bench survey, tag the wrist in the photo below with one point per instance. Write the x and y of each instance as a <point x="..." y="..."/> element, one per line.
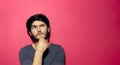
<point x="39" y="50"/>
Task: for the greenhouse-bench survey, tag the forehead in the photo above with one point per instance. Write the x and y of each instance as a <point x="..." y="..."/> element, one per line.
<point x="38" y="23"/>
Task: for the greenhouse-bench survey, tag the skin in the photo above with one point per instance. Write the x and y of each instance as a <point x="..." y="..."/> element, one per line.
<point x="39" y="30"/>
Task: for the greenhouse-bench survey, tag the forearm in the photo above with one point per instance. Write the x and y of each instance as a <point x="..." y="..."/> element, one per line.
<point x="37" y="58"/>
<point x="40" y="48"/>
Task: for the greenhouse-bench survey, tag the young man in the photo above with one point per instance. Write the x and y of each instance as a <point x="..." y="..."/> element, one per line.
<point x="41" y="52"/>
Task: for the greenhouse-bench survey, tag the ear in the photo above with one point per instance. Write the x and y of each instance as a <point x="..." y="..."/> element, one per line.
<point x="30" y="33"/>
<point x="48" y="29"/>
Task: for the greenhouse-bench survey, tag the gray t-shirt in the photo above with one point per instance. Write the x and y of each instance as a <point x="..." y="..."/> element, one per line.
<point x="54" y="55"/>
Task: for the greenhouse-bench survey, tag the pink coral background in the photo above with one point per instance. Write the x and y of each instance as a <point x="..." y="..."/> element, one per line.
<point x="88" y="30"/>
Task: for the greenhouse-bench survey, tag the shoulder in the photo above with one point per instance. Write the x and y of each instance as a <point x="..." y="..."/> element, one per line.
<point x="56" y="47"/>
<point x="25" y="48"/>
<point x="52" y="45"/>
<point x="57" y="50"/>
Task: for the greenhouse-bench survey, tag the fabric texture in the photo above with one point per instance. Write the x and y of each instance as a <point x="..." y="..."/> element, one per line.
<point x="54" y="55"/>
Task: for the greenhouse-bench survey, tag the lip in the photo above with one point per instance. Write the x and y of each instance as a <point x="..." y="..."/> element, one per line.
<point x="39" y="34"/>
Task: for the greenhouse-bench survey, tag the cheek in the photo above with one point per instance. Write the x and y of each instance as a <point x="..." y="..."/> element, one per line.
<point x="44" y="30"/>
<point x="34" y="31"/>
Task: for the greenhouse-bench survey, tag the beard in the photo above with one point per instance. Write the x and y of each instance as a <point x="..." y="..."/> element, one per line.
<point x="35" y="39"/>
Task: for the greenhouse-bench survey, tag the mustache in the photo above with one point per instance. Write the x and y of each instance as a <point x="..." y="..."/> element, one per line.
<point x="34" y="39"/>
<point x="39" y="33"/>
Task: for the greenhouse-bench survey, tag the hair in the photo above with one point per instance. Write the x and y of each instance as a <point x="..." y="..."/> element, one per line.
<point x="37" y="17"/>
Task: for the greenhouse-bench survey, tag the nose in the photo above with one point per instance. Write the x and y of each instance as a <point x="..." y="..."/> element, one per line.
<point x="38" y="29"/>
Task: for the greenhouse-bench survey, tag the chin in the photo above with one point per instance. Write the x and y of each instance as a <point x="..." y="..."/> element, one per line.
<point x="37" y="37"/>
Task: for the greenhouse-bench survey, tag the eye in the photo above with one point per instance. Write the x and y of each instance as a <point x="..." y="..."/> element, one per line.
<point x="42" y="25"/>
<point x="34" y="26"/>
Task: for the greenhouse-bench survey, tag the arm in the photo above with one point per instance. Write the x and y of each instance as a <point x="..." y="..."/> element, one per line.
<point x="37" y="58"/>
<point x="40" y="48"/>
<point x="26" y="60"/>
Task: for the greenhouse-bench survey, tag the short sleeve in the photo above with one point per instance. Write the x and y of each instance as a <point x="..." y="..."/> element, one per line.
<point x="60" y="57"/>
<point x="24" y="58"/>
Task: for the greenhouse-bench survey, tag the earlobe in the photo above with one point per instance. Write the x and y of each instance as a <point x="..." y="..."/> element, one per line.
<point x="30" y="33"/>
<point x="48" y="29"/>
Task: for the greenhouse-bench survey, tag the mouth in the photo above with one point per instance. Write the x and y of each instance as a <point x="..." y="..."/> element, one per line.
<point x="39" y="34"/>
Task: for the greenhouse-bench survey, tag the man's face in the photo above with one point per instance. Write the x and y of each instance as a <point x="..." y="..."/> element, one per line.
<point x="39" y="29"/>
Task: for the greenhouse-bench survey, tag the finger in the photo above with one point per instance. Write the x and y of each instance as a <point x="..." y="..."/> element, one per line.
<point x="41" y="38"/>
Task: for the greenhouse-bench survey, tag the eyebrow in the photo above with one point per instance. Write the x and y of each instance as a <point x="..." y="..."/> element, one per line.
<point x="33" y="25"/>
<point x="39" y="25"/>
<point x="42" y="24"/>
